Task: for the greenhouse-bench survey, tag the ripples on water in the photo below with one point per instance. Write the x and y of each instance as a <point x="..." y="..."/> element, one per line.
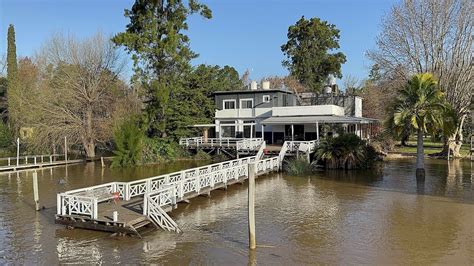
<point x="334" y="217"/>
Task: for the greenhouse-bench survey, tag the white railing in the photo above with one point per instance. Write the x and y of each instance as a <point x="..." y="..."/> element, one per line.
<point x="128" y="190"/>
<point x="212" y="142"/>
<point x="301" y="146"/>
<point x="79" y="205"/>
<point x="249" y="144"/>
<point x="176" y="191"/>
<point x="30" y="160"/>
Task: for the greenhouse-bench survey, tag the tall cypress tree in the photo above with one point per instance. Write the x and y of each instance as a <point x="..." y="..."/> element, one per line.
<point x="12" y="68"/>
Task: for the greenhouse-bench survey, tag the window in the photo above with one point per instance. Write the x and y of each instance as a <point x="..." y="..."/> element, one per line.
<point x="229" y="104"/>
<point x="246" y="103"/>
<point x="266" y="98"/>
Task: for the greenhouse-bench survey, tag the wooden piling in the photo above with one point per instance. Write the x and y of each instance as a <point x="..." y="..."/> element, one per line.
<point x="35" y="191"/>
<point x="251" y="206"/>
<point x="102" y="161"/>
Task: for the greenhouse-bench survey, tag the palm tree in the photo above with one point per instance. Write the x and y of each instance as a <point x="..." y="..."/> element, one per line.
<point x="422" y="105"/>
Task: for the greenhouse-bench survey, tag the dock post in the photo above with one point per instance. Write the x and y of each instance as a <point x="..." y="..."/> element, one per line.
<point x="251" y="207"/>
<point x="35" y="191"/>
<point x="65" y="149"/>
<point x="17" y="151"/>
<point x="102" y="161"/>
<point x="115" y="216"/>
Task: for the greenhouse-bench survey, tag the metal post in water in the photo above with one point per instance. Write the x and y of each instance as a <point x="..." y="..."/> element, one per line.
<point x="251" y="206"/>
<point x="35" y="191"/>
<point x="65" y="149"/>
<point x="17" y="151"/>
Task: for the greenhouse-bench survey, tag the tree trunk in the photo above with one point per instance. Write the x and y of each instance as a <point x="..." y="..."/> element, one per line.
<point x="454" y="142"/>
<point x="420" y="156"/>
<point x="88" y="140"/>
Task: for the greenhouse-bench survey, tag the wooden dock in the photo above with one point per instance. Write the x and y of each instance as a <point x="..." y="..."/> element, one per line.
<point x="131" y="207"/>
<point x="35" y="161"/>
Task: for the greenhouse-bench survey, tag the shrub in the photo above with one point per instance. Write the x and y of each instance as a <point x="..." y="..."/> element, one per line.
<point x="159" y="149"/>
<point x="346" y="151"/>
<point x="298" y="166"/>
<point x="128" y="138"/>
<point x="6" y="138"/>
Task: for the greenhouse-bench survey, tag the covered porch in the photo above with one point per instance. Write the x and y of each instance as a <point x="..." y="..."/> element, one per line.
<point x="306" y="128"/>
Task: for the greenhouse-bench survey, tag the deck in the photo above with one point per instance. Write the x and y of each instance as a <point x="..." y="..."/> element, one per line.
<point x="144" y="203"/>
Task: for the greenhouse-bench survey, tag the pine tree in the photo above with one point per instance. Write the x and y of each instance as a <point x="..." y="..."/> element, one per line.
<point x="161" y="54"/>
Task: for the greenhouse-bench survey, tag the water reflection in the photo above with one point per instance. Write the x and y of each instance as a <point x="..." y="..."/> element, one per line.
<point x="331" y="217"/>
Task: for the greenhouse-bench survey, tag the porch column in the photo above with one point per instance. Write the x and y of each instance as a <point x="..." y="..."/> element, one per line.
<point x="356" y="132"/>
<point x="251" y="130"/>
<point x="205" y="134"/>
<point x="263" y="132"/>
<point x="292" y="133"/>
<point x="317" y="131"/>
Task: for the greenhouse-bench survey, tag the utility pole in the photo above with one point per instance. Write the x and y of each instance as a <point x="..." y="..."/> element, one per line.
<point x="251" y="209"/>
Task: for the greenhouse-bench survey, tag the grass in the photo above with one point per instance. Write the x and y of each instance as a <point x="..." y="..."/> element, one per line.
<point x="429" y="147"/>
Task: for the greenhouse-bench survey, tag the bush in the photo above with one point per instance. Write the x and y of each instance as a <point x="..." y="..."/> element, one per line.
<point x="158" y="149"/>
<point x="298" y="166"/>
<point x="128" y="138"/>
<point x="346" y="151"/>
<point x="6" y="138"/>
<point x="383" y="143"/>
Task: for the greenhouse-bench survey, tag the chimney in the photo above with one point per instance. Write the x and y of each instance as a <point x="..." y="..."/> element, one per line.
<point x="253" y="85"/>
<point x="266" y="85"/>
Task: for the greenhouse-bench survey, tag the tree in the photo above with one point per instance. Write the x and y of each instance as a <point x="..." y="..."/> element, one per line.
<point x="422" y="105"/>
<point x="432" y="36"/>
<point x="80" y="92"/>
<point x="161" y="55"/>
<point x="307" y="52"/>
<point x="128" y="138"/>
<point x="12" y="71"/>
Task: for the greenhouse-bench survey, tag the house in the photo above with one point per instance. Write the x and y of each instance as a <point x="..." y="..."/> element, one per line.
<point x="277" y="115"/>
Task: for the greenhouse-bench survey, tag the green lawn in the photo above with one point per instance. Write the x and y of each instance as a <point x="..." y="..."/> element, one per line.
<point x="430" y="147"/>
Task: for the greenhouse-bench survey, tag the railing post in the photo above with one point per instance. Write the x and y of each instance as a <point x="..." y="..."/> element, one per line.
<point x="181" y="186"/>
<point x="8" y="161"/>
<point x="35" y="160"/>
<point x="41" y="158"/>
<point x="95" y="209"/>
<point x="127" y="191"/>
<point x="145" y="204"/>
<point x="148" y="186"/>
<point x="58" y="204"/>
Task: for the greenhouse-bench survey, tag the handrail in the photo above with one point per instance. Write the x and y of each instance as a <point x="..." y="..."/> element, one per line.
<point x="25" y="159"/>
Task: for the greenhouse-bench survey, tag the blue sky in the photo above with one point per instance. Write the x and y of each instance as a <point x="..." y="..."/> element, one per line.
<point x="245" y="34"/>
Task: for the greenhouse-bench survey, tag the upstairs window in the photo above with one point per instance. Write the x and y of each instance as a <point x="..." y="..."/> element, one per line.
<point x="266" y="98"/>
<point x="246" y="103"/>
<point x="229" y="104"/>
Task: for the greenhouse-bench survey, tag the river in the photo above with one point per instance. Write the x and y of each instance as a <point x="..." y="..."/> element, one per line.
<point x="331" y="217"/>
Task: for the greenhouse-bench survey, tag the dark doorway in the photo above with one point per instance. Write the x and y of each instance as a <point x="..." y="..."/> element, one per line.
<point x="299" y="132"/>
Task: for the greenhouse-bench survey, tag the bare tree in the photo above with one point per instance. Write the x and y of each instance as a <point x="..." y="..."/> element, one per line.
<point x="351" y="84"/>
<point x="81" y="88"/>
<point x="432" y="36"/>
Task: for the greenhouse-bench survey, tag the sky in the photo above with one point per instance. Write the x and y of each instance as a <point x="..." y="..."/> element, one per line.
<point x="245" y="34"/>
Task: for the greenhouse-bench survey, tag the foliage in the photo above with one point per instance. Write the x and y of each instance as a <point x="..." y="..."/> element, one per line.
<point x="128" y="139"/>
<point x="297" y="167"/>
<point x="432" y="36"/>
<point x="161" y="55"/>
<point x="346" y="151"/>
<point x="6" y="138"/>
<point x="421" y="105"/>
<point x="383" y="142"/>
<point x="159" y="149"/>
<point x="12" y="69"/>
<point x="79" y="94"/>
<point x="307" y="52"/>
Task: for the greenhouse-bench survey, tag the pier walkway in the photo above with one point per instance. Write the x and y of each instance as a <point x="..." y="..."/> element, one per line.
<point x="34" y="161"/>
<point x="127" y="207"/>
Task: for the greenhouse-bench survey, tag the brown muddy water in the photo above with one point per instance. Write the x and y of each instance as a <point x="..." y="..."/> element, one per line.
<point x="337" y="217"/>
